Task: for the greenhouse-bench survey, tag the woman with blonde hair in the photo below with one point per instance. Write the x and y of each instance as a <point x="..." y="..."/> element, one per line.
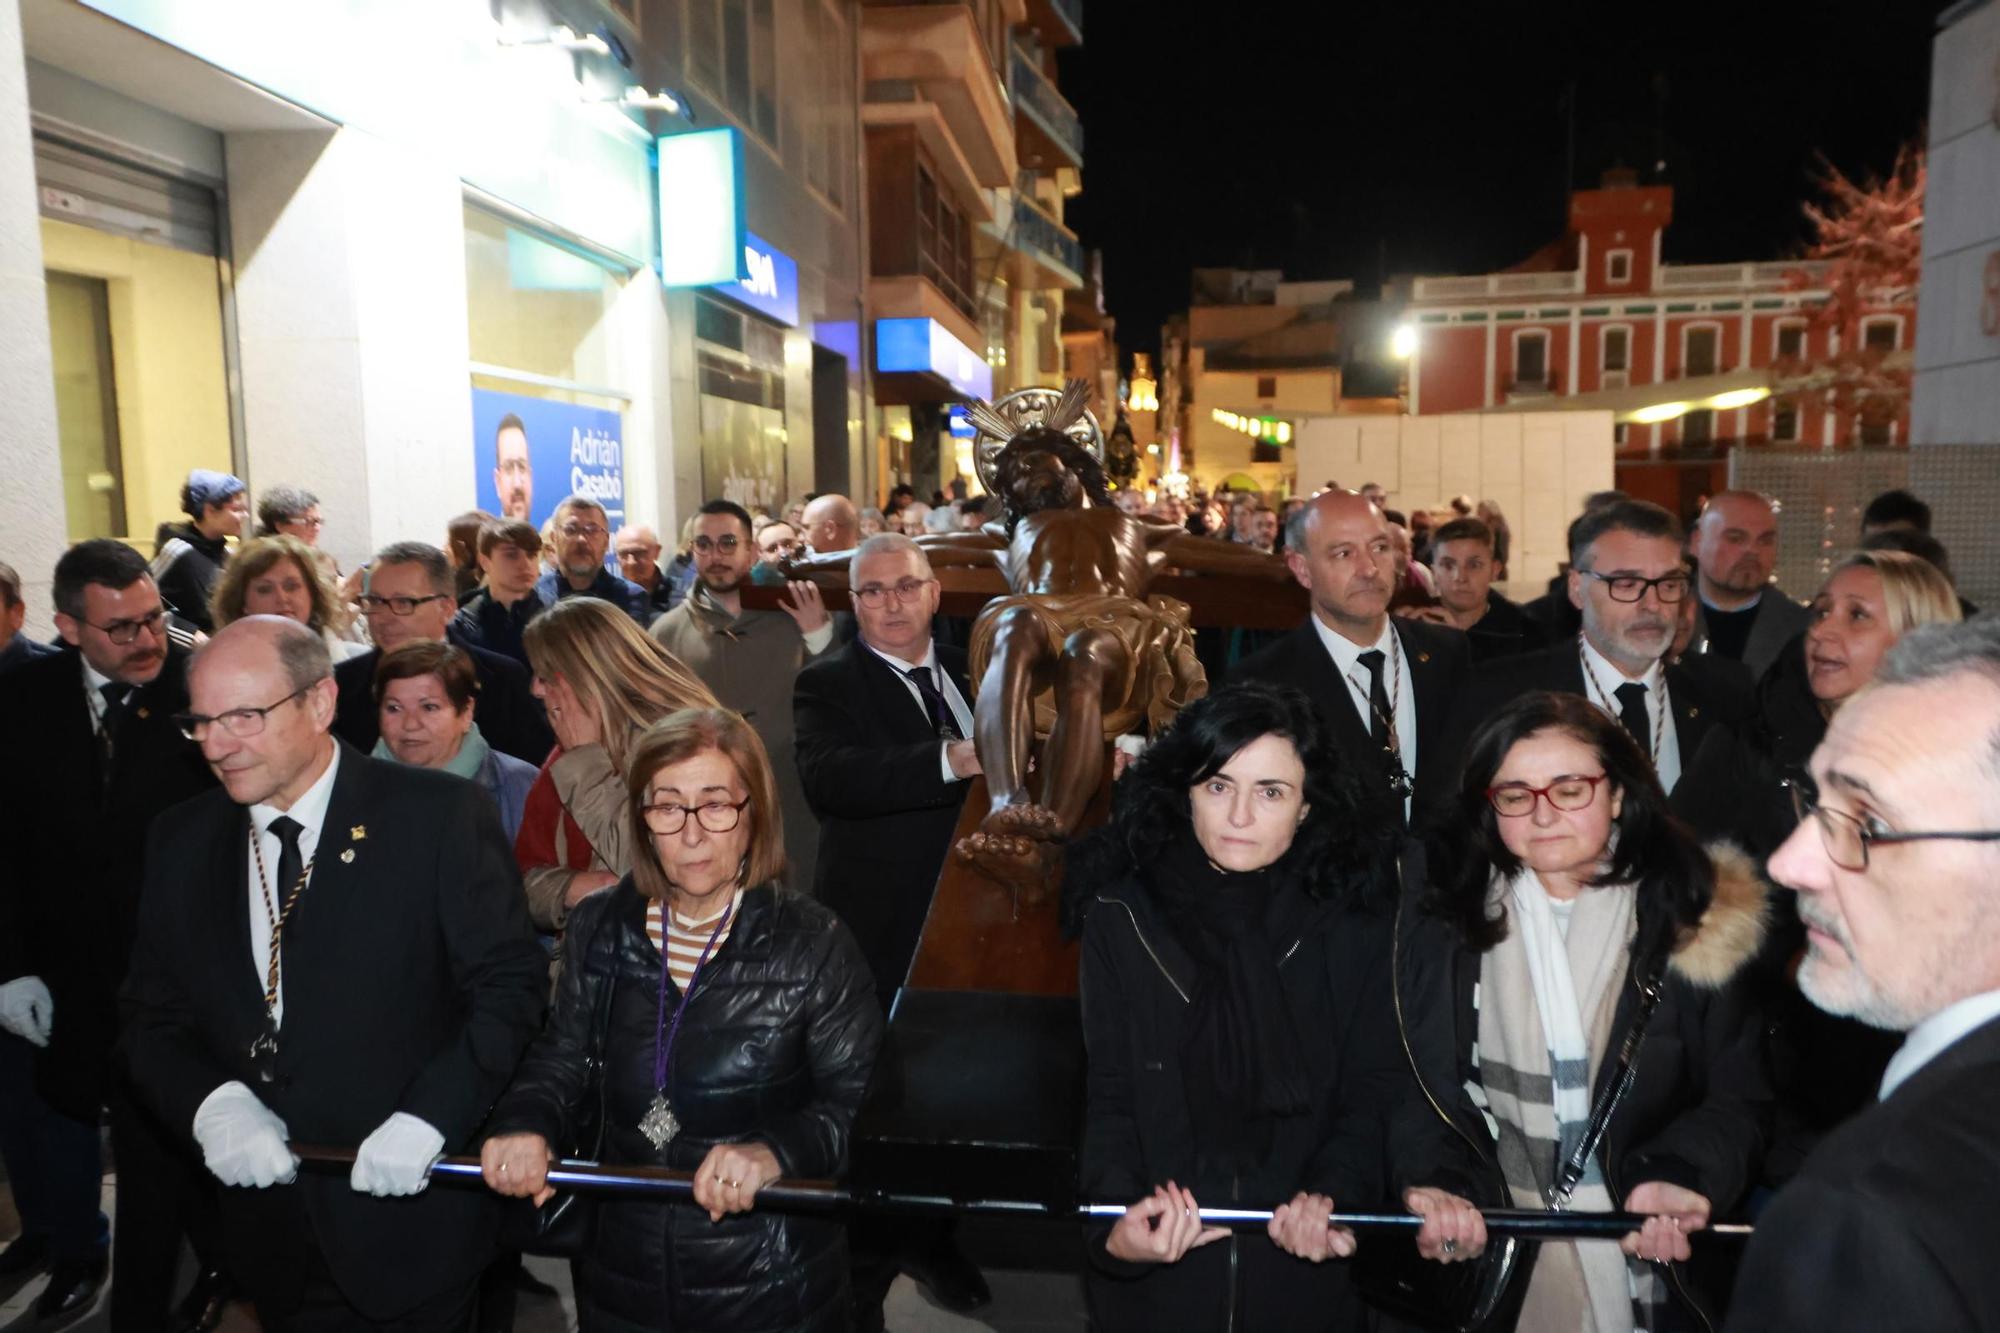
<point x="282" y="576"/>
<point x="603" y="681"/>
<point x="726" y="1026"/>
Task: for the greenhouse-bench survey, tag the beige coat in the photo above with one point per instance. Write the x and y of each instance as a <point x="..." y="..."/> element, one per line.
<point x="750" y="661"/>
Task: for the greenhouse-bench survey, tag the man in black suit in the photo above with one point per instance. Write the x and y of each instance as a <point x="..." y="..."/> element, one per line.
<point x="408" y="597"/>
<point x="1890" y="1223"/>
<point x="94" y="756"/>
<point x="1463" y="565"/>
<point x="331" y="950"/>
<point x="883" y="733"/>
<point x="1627" y="579"/>
<point x="1739" y="613"/>
<point x="1383" y="685"/>
<point x="884" y="736"/>
<point x="16" y="647"/>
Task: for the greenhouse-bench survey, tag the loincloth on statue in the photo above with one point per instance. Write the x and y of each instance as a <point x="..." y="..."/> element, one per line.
<point x="1166" y="676"/>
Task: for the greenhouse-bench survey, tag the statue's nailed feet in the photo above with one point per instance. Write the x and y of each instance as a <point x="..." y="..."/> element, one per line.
<point x="1017" y="848"/>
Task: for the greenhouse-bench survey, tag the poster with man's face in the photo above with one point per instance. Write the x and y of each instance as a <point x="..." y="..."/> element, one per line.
<point x="531" y="454"/>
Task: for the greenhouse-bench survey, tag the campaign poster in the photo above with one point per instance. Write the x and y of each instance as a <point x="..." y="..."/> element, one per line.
<point x="531" y="454"/>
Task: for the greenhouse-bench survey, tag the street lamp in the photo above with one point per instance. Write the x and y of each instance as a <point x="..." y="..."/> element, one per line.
<point x="1403" y="343"/>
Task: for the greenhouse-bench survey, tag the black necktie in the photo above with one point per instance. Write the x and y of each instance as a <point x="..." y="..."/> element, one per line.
<point x="934" y="704"/>
<point x="1632" y="712"/>
<point x="114" y="695"/>
<point x="290" y="864"/>
<point x="1378" y="698"/>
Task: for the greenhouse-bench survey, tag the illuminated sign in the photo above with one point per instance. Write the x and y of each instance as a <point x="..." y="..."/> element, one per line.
<point x="927" y="346"/>
<point x="771" y="282"/>
<point x="702" y="237"/>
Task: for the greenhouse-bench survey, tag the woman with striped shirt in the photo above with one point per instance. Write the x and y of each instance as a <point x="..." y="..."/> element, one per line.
<point x="737" y="1026"/>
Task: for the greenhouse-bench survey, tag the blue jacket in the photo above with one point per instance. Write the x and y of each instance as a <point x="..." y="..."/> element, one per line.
<point x="622" y="593"/>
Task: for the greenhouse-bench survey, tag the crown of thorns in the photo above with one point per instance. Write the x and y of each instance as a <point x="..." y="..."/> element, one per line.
<point x="997" y="425"/>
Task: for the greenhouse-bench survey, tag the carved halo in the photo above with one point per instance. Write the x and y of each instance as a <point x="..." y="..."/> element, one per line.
<point x="996" y="424"/>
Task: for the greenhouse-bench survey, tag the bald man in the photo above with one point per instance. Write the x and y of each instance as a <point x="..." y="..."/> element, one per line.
<point x="331" y="949"/>
<point x="1742" y="615"/>
<point x="1383" y="685"/>
<point x="832" y="523"/>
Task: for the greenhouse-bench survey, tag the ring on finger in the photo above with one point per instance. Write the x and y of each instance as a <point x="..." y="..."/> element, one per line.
<point x="1450" y="1246"/>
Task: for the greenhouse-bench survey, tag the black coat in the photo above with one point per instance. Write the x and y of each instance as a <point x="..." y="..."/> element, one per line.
<point x="510" y="717"/>
<point x="1698" y="1112"/>
<point x="1891" y="1224"/>
<point x="1138" y="1132"/>
<point x="413" y="982"/>
<point x="776" y="1047"/>
<point x="187" y="567"/>
<point x="868" y="760"/>
<point x="1440" y="665"/>
<point x="1704" y="692"/>
<point x="1504" y="631"/>
<point x="70" y="891"/>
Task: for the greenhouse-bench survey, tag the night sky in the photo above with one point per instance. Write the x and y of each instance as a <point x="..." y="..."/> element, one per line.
<point x="1310" y="136"/>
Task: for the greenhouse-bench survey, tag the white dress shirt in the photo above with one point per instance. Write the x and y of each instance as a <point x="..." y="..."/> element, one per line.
<point x="94" y="682"/>
<point x="1928" y="1039"/>
<point x="310" y="812"/>
<point x="1601" y="679"/>
<point x="961" y="712"/>
<point x="1401" y="686"/>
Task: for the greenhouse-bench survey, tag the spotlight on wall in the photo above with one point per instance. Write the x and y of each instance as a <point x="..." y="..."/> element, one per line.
<point x="1403" y="343"/>
<point x="563" y="38"/>
<point x="637" y="98"/>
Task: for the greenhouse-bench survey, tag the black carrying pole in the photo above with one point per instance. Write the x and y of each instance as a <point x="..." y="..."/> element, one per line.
<point x="827" y="1196"/>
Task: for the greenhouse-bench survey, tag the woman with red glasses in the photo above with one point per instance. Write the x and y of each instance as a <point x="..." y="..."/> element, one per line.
<point x="1570" y="981"/>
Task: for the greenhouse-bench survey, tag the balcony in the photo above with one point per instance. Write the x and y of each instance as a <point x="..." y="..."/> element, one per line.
<point x="1051" y="135"/>
<point x="1046" y="254"/>
<point x="1485" y="286"/>
<point x="1731" y="277"/>
<point x="924" y="64"/>
<point x="1060" y="22"/>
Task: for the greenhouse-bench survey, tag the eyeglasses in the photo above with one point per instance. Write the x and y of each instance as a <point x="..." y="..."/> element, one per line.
<point x="122" y="632"/>
<point x="582" y="529"/>
<point x="1631" y="588"/>
<point x="715" y="816"/>
<point x="515" y="467"/>
<point x="1847" y="838"/>
<point x="403" y="606"/>
<point x="306" y="521"/>
<point x="1572" y="791"/>
<point x="726" y="545"/>
<point x="242" y="723"/>
<point x="875" y="595"/>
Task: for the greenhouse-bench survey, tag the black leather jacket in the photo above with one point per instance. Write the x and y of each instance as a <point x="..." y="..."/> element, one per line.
<point x="776" y="1046"/>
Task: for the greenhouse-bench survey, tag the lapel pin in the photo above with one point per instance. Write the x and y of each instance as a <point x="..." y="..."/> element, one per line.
<point x="347" y="857"/>
<point x="1423" y="657"/>
<point x="357" y="833"/>
<point x="144" y="711"/>
<point x="1693" y="712"/>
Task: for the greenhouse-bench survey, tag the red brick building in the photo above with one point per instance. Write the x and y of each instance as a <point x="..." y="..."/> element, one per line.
<point x="1682" y="354"/>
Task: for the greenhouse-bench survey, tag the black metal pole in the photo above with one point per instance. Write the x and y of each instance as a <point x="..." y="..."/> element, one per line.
<point x="827" y="1196"/>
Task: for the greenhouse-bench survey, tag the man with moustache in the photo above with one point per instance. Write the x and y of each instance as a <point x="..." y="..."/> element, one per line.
<point x="582" y="537"/>
<point x="751" y="659"/>
<point x="331" y="949"/>
<point x="1384" y="685"/>
<point x="1740" y="614"/>
<point x="1627" y="578"/>
<point x="513" y="470"/>
<point x="1896" y="862"/>
<point x="97" y="758"/>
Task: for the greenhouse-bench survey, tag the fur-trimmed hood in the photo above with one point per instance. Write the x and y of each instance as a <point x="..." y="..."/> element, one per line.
<point x="1731" y="929"/>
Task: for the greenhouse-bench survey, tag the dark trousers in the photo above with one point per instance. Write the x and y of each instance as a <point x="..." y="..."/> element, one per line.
<point x="165" y="1195"/>
<point x="55" y="1164"/>
<point x="322" y="1309"/>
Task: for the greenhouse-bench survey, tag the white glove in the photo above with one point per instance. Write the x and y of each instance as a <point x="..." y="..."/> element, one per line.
<point x="26" y="1009"/>
<point x="397" y="1158"/>
<point x="242" y="1140"/>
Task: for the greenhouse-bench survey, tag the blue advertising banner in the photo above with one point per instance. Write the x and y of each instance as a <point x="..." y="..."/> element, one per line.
<point x="531" y="454"/>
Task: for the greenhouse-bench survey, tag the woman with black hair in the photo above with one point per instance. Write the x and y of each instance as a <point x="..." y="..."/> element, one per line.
<point x="1236" y="1012"/>
<point x="1565" y="916"/>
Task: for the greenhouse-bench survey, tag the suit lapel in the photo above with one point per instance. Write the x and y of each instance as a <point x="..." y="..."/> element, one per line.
<point x="893" y="701"/>
<point x="231" y="880"/>
<point x="1425" y="680"/>
<point x="1323" y="681"/>
<point x="1684" y="696"/>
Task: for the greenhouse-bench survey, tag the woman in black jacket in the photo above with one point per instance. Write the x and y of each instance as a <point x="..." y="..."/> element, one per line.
<point x="1236" y="1012"/>
<point x="1559" y="894"/>
<point x="743" y="1060"/>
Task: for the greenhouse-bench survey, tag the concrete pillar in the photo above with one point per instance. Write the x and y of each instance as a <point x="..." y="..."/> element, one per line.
<point x="33" y="531"/>
<point x="351" y="316"/>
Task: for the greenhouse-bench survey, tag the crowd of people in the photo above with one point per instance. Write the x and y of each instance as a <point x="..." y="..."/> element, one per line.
<point x="547" y="843"/>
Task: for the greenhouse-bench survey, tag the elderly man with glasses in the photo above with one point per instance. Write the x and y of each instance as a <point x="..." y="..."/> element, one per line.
<point x="96" y="757"/>
<point x="582" y="532"/>
<point x="1628" y="576"/>
<point x="1896" y="864"/>
<point x="408" y="597"/>
<point x="330" y="949"/>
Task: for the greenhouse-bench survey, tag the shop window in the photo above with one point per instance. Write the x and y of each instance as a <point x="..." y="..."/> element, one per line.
<point x="740" y="376"/>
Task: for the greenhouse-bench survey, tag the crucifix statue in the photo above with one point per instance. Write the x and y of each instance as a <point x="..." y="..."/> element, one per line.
<point x="1079" y="651"/>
